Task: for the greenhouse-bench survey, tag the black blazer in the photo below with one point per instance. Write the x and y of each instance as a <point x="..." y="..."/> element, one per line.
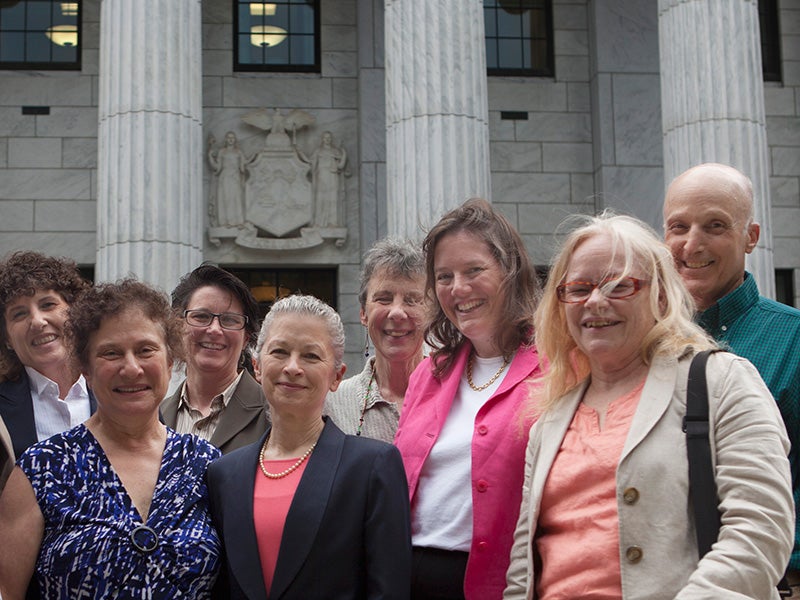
<point x="347" y="534"/>
<point x="16" y="410"/>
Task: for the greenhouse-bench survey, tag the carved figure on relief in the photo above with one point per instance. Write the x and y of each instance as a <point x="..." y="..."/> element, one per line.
<point x="328" y="163"/>
<point x="228" y="163"/>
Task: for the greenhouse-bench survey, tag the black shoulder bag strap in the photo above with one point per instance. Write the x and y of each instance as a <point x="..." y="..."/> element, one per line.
<point x="702" y="483"/>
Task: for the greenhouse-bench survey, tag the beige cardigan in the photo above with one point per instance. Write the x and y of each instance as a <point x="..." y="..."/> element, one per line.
<point x="749" y="447"/>
<point x="6" y="455"/>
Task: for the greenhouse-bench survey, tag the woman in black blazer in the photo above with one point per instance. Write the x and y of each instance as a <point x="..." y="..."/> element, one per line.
<point x="309" y="512"/>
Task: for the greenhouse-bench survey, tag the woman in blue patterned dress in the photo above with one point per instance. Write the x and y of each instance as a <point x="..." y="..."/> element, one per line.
<point x="117" y="506"/>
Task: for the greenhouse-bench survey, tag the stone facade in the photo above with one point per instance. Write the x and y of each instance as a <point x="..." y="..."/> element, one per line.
<point x="592" y="138"/>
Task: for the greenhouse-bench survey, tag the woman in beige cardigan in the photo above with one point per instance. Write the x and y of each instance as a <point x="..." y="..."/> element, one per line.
<point x="605" y="510"/>
<point x="6" y="455"/>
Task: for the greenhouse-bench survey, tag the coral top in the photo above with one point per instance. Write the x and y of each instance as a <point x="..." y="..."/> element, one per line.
<point x="271" y="501"/>
<point x="578" y="530"/>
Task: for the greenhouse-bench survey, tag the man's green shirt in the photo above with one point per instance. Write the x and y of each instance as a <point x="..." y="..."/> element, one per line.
<point x="767" y="333"/>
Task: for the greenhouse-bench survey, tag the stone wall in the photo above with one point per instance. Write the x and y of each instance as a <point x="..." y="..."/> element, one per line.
<point x="782" y="105"/>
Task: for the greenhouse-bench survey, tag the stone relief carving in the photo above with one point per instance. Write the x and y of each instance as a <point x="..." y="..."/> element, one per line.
<point x="328" y="164"/>
<point x="278" y="198"/>
<point x="227" y="206"/>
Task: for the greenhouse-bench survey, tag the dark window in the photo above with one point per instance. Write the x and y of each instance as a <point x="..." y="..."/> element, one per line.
<point x="770" y="39"/>
<point x="519" y="37"/>
<point x="40" y="34"/>
<point x="784" y="286"/>
<point x="276" y="36"/>
<point x="268" y="285"/>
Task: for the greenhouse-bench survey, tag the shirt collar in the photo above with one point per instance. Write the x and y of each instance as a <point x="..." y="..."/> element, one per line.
<point x="730" y="307"/>
<point x="39" y="383"/>
<point x="226" y="394"/>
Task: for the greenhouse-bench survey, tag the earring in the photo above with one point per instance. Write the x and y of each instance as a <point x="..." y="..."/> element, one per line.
<point x="366" y="345"/>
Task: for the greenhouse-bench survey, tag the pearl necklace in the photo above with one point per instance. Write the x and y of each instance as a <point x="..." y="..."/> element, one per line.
<point x="285" y="472"/>
<point x="480" y="388"/>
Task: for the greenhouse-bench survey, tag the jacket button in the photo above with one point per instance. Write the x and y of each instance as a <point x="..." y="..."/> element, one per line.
<point x="483" y="429"/>
<point x="630" y="495"/>
<point x="483" y="546"/>
<point x="634" y="554"/>
<point x="482" y="486"/>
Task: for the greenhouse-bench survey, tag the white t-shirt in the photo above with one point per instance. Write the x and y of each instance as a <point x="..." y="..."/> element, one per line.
<point x="442" y="513"/>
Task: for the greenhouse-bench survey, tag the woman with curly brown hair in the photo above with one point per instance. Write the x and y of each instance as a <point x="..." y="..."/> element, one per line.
<point x="41" y="393"/>
<point x="116" y="507"/>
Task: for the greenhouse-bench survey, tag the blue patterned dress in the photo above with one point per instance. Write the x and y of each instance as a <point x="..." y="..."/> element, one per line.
<point x="88" y="551"/>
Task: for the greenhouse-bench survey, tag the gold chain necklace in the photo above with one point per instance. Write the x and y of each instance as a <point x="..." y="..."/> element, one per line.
<point x="285" y="472"/>
<point x="480" y="388"/>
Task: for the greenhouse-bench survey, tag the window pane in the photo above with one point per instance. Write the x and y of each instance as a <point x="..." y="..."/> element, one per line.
<point x="302" y="19"/>
<point x="510" y="54"/>
<point x="12" y="47"/>
<point x="64" y="53"/>
<point x="490" y="22"/>
<point x="491" y="54"/>
<point x="508" y="25"/>
<point x="302" y="50"/>
<point x="277" y="55"/>
<point x="14" y="17"/>
<point x="39" y="17"/>
<point x="37" y="47"/>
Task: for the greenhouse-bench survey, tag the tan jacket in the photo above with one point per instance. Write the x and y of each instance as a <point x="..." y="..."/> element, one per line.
<point x="6" y="455"/>
<point x="658" y="548"/>
<point x="242" y="422"/>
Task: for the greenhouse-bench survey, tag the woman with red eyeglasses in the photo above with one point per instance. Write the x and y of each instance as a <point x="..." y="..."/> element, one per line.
<point x="606" y="511"/>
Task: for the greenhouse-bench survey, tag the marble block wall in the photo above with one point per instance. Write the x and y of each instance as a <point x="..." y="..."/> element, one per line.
<point x="48" y="162"/>
<point x="542" y="166"/>
<point x="782" y="107"/>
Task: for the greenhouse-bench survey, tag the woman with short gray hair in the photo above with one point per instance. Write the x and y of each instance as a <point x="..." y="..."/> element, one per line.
<point x="392" y="298"/>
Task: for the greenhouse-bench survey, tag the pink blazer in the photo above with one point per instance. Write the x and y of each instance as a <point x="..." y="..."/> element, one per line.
<point x="498" y="458"/>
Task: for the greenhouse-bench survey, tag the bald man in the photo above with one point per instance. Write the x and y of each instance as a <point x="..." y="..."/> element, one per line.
<point x="709" y="227"/>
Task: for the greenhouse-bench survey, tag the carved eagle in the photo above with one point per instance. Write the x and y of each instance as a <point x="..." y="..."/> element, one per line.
<point x="274" y="121"/>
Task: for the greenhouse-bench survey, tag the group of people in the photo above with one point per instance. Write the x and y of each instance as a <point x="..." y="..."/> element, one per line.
<point x="537" y="451"/>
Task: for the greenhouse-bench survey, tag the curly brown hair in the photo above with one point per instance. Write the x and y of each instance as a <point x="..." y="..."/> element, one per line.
<point x="520" y="288"/>
<point x="24" y="273"/>
<point x="87" y="313"/>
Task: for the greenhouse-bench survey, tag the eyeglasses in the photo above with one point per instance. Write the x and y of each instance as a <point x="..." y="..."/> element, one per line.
<point x="578" y="292"/>
<point x="203" y="318"/>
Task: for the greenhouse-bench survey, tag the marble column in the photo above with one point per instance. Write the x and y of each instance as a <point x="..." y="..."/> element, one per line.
<point x="437" y="139"/>
<point x="149" y="197"/>
<point x="712" y="97"/>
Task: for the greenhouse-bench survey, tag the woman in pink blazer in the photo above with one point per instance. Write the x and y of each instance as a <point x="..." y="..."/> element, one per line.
<point x="460" y="434"/>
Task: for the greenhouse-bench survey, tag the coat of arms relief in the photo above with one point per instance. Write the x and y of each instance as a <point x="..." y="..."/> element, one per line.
<point x="280" y="197"/>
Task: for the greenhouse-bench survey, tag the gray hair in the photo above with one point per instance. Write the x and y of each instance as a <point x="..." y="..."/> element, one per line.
<point x="313" y="307"/>
<point x="399" y="257"/>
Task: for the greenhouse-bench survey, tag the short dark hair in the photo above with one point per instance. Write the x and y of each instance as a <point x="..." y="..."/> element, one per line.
<point x="23" y="273"/>
<point x="87" y="313"/>
<point x="519" y="288"/>
<point x="208" y="275"/>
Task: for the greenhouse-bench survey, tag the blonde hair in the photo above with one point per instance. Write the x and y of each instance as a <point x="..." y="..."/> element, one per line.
<point x="670" y="303"/>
